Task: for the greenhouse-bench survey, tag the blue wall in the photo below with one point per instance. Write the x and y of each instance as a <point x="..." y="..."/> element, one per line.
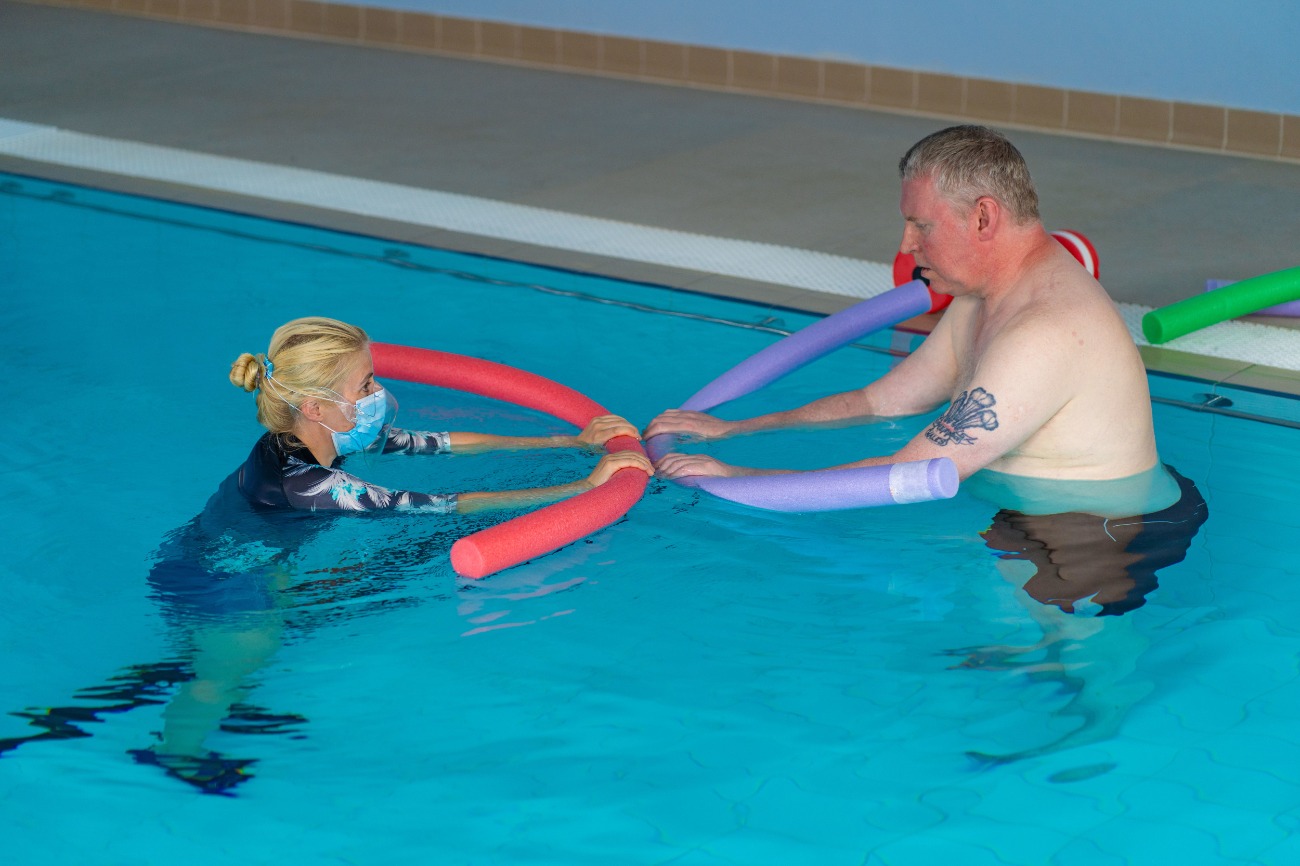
<point x="1242" y="55"/>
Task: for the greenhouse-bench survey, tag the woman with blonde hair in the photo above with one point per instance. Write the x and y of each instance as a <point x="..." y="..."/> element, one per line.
<point x="228" y="580"/>
<point x="318" y="399"/>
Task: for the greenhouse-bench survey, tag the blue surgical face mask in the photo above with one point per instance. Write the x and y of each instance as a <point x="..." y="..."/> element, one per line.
<point x="371" y="417"/>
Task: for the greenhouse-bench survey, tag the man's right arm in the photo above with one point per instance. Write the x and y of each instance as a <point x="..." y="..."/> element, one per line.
<point x="919" y="383"/>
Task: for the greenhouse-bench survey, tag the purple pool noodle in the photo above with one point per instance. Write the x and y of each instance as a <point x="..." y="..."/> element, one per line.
<point x="1290" y="308"/>
<point x="802" y="348"/>
<point x="836" y="489"/>
<point x="807" y="345"/>
<point x="657" y="446"/>
<point x="826" y="489"/>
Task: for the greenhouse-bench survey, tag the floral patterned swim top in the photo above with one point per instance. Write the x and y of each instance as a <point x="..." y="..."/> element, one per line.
<point x="280" y="475"/>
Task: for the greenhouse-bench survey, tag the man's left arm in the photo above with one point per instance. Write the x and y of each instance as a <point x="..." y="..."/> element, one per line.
<point x="1022" y="381"/>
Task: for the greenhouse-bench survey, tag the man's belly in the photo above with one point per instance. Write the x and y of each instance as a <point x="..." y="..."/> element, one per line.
<point x="1140" y="493"/>
<point x="1065" y="451"/>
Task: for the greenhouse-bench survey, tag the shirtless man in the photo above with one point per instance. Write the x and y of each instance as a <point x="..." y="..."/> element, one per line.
<point x="1042" y="376"/>
<point x="1049" y="415"/>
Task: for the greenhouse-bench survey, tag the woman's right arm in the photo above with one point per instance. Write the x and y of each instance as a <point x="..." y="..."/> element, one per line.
<point x="470" y="503"/>
<point x="311" y="487"/>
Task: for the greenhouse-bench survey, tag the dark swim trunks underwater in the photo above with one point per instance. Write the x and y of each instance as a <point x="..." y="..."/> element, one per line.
<point x="1111" y="561"/>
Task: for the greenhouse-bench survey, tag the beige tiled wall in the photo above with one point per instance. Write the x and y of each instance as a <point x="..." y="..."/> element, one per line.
<point x="1129" y="118"/>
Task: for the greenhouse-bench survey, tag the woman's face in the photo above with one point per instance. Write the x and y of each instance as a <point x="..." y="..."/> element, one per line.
<point x="358" y="382"/>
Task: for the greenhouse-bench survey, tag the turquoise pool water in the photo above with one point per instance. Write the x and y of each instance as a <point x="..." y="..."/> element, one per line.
<point x="698" y="684"/>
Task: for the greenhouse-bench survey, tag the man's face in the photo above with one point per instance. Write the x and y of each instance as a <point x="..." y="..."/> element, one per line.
<point x="937" y="236"/>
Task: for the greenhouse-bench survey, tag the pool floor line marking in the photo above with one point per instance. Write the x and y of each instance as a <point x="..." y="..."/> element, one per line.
<point x="769" y="263"/>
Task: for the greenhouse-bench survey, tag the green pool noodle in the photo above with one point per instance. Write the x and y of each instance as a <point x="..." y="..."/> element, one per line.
<point x="1229" y="302"/>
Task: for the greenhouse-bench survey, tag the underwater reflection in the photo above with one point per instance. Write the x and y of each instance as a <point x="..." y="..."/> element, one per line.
<point x="1076" y="568"/>
<point x="233" y="587"/>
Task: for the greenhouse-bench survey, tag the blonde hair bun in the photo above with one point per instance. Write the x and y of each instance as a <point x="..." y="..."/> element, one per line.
<point x="246" y="372"/>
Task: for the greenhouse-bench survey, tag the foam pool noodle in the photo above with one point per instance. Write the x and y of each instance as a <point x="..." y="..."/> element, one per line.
<point x="827" y="489"/>
<point x="1238" y="299"/>
<point x="546" y="529"/>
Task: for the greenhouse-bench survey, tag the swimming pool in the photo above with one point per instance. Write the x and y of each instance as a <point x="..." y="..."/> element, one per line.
<point x="698" y="684"/>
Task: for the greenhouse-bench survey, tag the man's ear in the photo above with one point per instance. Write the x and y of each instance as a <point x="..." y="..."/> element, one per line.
<point x="988" y="215"/>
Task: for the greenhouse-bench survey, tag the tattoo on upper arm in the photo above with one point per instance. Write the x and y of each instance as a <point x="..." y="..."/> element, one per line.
<point x="971" y="410"/>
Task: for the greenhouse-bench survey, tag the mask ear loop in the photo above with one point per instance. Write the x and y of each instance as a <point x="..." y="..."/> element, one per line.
<point x="277" y="385"/>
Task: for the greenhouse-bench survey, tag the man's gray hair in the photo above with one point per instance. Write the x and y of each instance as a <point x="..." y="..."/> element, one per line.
<point x="968" y="162"/>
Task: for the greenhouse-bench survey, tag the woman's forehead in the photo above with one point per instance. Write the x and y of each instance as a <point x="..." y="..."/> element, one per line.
<point x="361" y="368"/>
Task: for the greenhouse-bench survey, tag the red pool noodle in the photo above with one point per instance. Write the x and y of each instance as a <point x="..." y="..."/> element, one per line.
<point x="546" y="529"/>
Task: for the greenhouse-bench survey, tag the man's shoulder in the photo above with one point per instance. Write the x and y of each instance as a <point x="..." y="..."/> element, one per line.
<point x="1068" y="303"/>
<point x="1050" y="335"/>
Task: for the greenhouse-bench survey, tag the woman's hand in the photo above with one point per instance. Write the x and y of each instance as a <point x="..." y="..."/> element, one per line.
<point x="677" y="465"/>
<point x="694" y="426"/>
<point x="619" y="460"/>
<point x="604" y="428"/>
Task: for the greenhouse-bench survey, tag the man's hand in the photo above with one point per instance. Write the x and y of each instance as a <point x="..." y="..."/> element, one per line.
<point x="676" y="465"/>
<point x="693" y="426"/>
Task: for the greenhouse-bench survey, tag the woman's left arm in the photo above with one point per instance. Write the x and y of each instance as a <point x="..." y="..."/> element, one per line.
<point x="601" y="429"/>
<point x="417" y="442"/>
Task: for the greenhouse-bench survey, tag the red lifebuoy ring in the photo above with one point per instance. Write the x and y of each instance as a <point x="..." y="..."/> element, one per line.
<point x="1082" y="250"/>
<point x="546" y="529"/>
<point x="905" y="270"/>
<point x="1076" y="243"/>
